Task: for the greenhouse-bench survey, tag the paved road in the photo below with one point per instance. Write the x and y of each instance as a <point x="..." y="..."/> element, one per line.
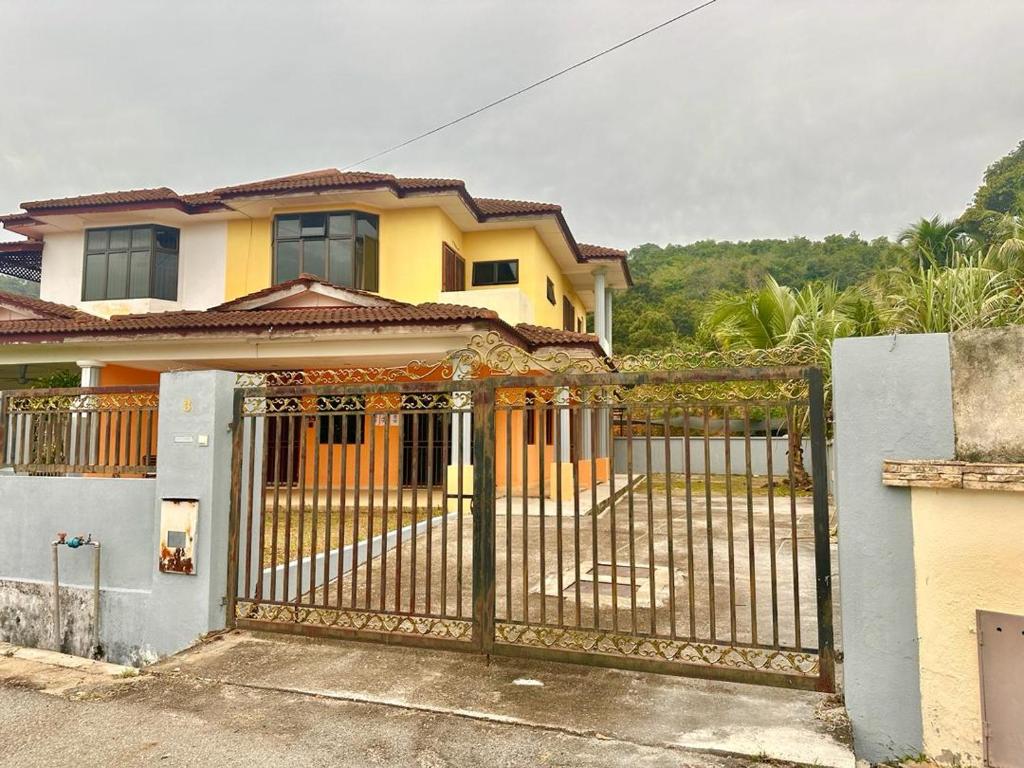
<point x="180" y="721"/>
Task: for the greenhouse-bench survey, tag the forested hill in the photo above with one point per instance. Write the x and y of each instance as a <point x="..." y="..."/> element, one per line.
<point x="674" y="283"/>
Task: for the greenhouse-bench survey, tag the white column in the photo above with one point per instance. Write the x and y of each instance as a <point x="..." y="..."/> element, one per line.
<point x="608" y="321"/>
<point x="90" y="372"/>
<point x="600" y="317"/>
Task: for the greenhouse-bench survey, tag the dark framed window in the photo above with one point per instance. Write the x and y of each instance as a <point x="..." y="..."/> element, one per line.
<point x="131" y="263"/>
<point x="347" y="428"/>
<point x="551" y="292"/>
<point x="568" y="315"/>
<point x="341" y="247"/>
<point x="530" y="419"/>
<point x="453" y="269"/>
<point x="505" y="272"/>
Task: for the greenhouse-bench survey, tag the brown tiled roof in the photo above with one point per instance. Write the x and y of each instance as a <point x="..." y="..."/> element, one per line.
<point x="540" y="336"/>
<point x="305" y="280"/>
<point x="588" y="251"/>
<point x="326" y="179"/>
<point x="48" y="309"/>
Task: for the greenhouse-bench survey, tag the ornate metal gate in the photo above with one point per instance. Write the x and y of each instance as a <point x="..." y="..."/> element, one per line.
<point x="655" y="520"/>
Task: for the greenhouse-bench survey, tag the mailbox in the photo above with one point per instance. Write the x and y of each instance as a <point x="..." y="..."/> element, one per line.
<point x="178" y="521"/>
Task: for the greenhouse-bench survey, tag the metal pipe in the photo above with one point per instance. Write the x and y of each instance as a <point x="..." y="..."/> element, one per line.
<point x="74" y="543"/>
<point x="56" y="597"/>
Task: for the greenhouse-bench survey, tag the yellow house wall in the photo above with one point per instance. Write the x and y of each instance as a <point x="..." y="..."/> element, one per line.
<point x="410" y="258"/>
<point x="968" y="550"/>
<point x="536" y="264"/>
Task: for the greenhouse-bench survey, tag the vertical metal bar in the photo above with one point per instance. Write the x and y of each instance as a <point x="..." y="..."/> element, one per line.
<point x="277" y="505"/>
<point x="668" y="524"/>
<point x="414" y="544"/>
<point x="557" y="450"/>
<point x="313" y="528"/>
<point x="398" y="523"/>
<point x="508" y="514"/>
<point x="329" y="518"/>
<point x="822" y="545"/>
<point x="359" y="443"/>
<point x="730" y="539"/>
<point x="710" y="525"/>
<point x="631" y="512"/>
<point x="301" y="544"/>
<point x="343" y="488"/>
<point x="773" y="565"/>
<point x="139" y="413"/>
<point x="610" y="448"/>
<point x="528" y="413"/>
<point x="790" y="426"/>
<point x="446" y="449"/>
<point x="575" y="455"/>
<point x="233" y="513"/>
<point x="460" y="519"/>
<point x="288" y="508"/>
<point x="542" y="453"/>
<point x="370" y="506"/>
<point x="483" y="517"/>
<point x="385" y="497"/>
<point x="751" y="562"/>
<point x="429" y="569"/>
<point x="251" y="501"/>
<point x="652" y="610"/>
<point x="592" y="516"/>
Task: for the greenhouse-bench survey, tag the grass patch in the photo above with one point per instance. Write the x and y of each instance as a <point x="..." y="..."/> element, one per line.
<point x="719" y="484"/>
<point x="381" y="521"/>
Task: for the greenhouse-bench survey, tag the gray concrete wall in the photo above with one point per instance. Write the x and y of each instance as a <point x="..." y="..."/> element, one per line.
<point x="892" y="399"/>
<point x="144" y="613"/>
<point x="119" y="514"/>
<point x="987" y="405"/>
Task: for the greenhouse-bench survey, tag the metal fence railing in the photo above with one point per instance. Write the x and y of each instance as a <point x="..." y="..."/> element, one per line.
<point x="81" y="430"/>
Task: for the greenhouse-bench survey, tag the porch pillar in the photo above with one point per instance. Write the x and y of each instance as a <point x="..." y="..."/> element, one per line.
<point x="608" y="322"/>
<point x="90" y="372"/>
<point x="600" y="305"/>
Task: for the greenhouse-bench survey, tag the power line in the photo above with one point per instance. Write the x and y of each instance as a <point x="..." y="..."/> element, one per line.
<point x="530" y="87"/>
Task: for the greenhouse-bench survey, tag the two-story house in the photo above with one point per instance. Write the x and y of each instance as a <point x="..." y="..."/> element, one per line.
<point x="327" y="269"/>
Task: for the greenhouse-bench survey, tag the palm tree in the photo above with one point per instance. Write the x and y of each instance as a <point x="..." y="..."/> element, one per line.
<point x="935" y="241"/>
<point x="775" y="316"/>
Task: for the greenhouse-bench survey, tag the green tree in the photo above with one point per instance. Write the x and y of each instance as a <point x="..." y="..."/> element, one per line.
<point x="934" y="240"/>
<point x="1001" y="193"/>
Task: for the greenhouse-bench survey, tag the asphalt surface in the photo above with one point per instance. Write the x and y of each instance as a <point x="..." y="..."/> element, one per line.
<point x="172" y="720"/>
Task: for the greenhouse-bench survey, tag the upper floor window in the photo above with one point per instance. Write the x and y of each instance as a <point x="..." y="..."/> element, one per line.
<point x="496" y="272"/>
<point x="453" y="270"/>
<point x="551" y="292"/>
<point x="131" y="263"/>
<point x="568" y="315"/>
<point x="339" y="247"/>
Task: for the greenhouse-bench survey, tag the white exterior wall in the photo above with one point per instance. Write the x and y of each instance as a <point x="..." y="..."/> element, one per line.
<point x="202" y="257"/>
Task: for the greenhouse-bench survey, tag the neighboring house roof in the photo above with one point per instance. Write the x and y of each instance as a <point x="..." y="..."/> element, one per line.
<point x="66" y="323"/>
<point x="22" y="259"/>
<point x="483" y="208"/>
<point x="41" y="309"/>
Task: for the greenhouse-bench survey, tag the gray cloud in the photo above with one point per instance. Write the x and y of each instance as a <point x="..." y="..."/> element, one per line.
<point x="751" y="118"/>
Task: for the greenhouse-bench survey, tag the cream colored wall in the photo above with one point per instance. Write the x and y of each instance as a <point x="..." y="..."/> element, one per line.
<point x="201" y="272"/>
<point x="968" y="555"/>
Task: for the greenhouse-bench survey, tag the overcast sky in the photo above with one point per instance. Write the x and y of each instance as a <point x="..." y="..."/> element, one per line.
<point x="752" y="118"/>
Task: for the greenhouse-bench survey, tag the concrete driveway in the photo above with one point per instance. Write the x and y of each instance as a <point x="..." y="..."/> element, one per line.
<point x="245" y="699"/>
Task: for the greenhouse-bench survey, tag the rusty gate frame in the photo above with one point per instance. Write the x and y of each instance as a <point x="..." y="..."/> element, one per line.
<point x="483" y="617"/>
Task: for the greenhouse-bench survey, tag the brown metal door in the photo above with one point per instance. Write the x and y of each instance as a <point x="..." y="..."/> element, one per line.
<point x="1001" y="660"/>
